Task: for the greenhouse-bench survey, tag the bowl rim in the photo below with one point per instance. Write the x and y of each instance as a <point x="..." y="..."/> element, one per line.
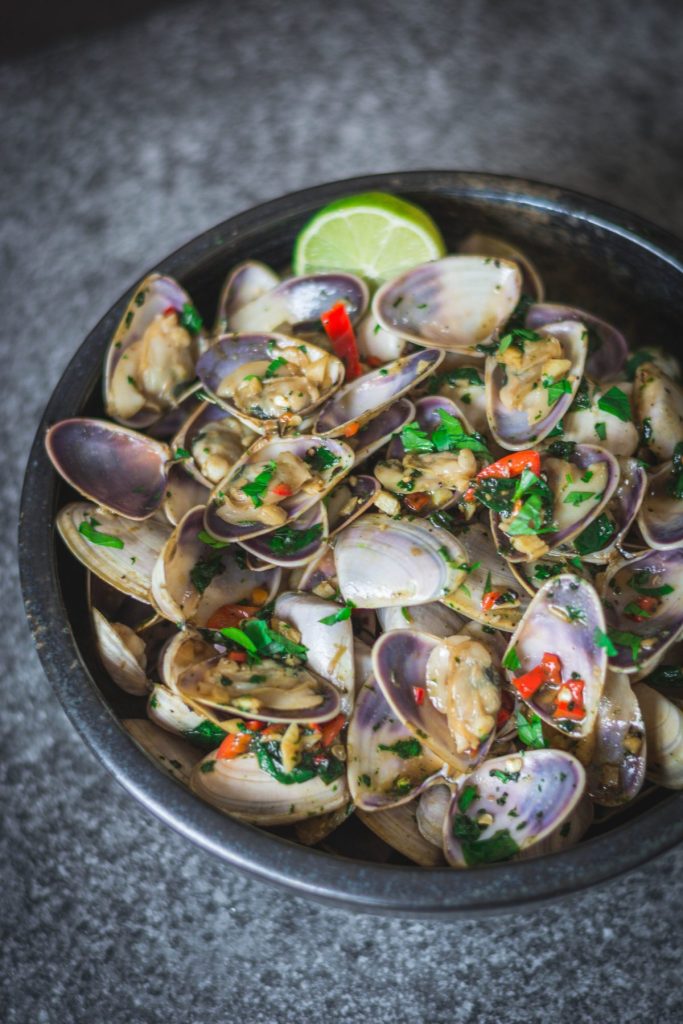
<point x="354" y="885"/>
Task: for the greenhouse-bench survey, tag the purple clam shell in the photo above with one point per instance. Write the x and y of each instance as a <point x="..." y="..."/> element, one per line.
<point x="260" y="546"/>
<point x="321" y="569"/>
<point x="245" y="283"/>
<point x="373" y="772"/>
<point x="119" y="469"/>
<point x="584" y="456"/>
<point x="511" y="427"/>
<point x="615" y="774"/>
<point x="363" y="489"/>
<point x="171" y="422"/>
<point x="158" y="294"/>
<point x="367" y="396"/>
<point x="623" y="507"/>
<point x="380" y="428"/>
<point x="661" y="516"/>
<point x="183" y="492"/>
<point x="203" y="417"/>
<point x="564" y="618"/>
<point x="488" y="245"/>
<point x="656" y="632"/>
<point x="399" y="660"/>
<point x="528" y="807"/>
<point x="266" y="449"/>
<point x="116" y="606"/>
<point x="427" y="416"/>
<point x="299" y="302"/>
<point x="606" y="358"/>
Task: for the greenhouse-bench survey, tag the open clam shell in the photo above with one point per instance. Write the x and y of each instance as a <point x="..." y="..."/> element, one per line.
<point x="330" y="646"/>
<point x="486" y="572"/>
<point x="366" y="397"/>
<point x="380" y="429"/>
<point x="464" y="384"/>
<point x="455" y="303"/>
<point x="403" y="663"/>
<point x="590" y="422"/>
<point x="122" y="653"/>
<point x="512" y="428"/>
<point x="434" y="618"/>
<point x="235" y="357"/>
<point x="661" y="514"/>
<point x="319" y="576"/>
<point x="664" y="731"/>
<point x="375" y="345"/>
<point x="245" y="283"/>
<point x="533" y="575"/>
<point x="564" y="836"/>
<point x="120" y="470"/>
<point x="170" y="712"/>
<point x="566" y="476"/>
<point x="617" y="768"/>
<point x="428" y="418"/>
<point x="382" y="562"/>
<point x="240" y="788"/>
<point x="292" y="545"/>
<point x="349" y="500"/>
<point x="397" y="826"/>
<point x="265" y="451"/>
<point x="566" y="619"/>
<point x="299" y="302"/>
<point x="210" y="442"/>
<point x="510" y="803"/>
<point x="643" y="599"/>
<point x="620" y="512"/>
<point x="478" y="244"/>
<point x="432" y="812"/>
<point x="607" y="346"/>
<point x="387" y="764"/>
<point x="173" y="754"/>
<point x="192" y="579"/>
<point x="658" y="407"/>
<point x="121" y="552"/>
<point x="170" y="369"/>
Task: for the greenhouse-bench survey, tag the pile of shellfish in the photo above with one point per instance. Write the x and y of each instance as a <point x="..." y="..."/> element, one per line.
<point x="443" y="595"/>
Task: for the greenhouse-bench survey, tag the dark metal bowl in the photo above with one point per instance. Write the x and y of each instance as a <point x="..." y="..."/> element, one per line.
<point x="590" y="254"/>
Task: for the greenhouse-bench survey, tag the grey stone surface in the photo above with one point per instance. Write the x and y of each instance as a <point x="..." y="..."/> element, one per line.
<point x="116" y="149"/>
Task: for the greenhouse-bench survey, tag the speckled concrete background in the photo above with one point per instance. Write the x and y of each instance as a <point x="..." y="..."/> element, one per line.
<point x="116" y="149"/>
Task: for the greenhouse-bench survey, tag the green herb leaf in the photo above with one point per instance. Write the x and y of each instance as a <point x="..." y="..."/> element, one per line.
<point x="625" y="639"/>
<point x="451" y="436"/>
<point x="499" y="847"/>
<point x="270" y="643"/>
<point x="556" y="388"/>
<point x="320" y="459"/>
<point x="636" y="360"/>
<point x="190" y="318"/>
<point x="274" y="366"/>
<point x="105" y="540"/>
<point x="287" y="539"/>
<point x="596" y="535"/>
<point x="497" y="773"/>
<point x="181" y="453"/>
<point x="403" y="748"/>
<point x="604" y="640"/>
<point x="617" y="403"/>
<point x="206" y="538"/>
<point x="562" y="449"/>
<point x="414" y="439"/>
<point x="601" y="431"/>
<point x="530" y="731"/>
<point x="238" y="636"/>
<point x="511" y="660"/>
<point x="578" y="497"/>
<point x="582" y="397"/>
<point x="257" y="487"/>
<point x="205" y="570"/>
<point x="339" y="616"/>
<point x="468" y="795"/>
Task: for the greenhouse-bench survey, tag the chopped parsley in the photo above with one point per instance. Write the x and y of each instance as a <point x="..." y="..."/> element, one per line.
<point x="320" y="459"/>
<point x="238" y="636"/>
<point x="601" y="431"/>
<point x="340" y="615"/>
<point x="181" y="453"/>
<point x="617" y="403"/>
<point x="287" y="539"/>
<point x="530" y="731"/>
<point x="562" y="449"/>
<point x="449" y="436"/>
<point x="468" y="795"/>
<point x="274" y="366"/>
<point x="636" y="360"/>
<point x="206" y="538"/>
<point x="205" y="570"/>
<point x="462" y="375"/>
<point x="511" y="660"/>
<point x="675" y="484"/>
<point x="517" y="336"/>
<point x="578" y="497"/>
<point x="403" y="748"/>
<point x="257" y="487"/>
<point x="190" y="318"/>
<point x="556" y="388"/>
<point x="596" y="535"/>
<point x="91" y="533"/>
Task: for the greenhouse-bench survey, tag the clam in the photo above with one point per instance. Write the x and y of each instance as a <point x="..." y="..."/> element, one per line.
<point x="175" y="755"/>
<point x="465" y="386"/>
<point x="556" y="659"/>
<point x="387" y="764"/>
<point x="478" y="244"/>
<point x="433" y="617"/>
<point x="319" y="576"/>
<point x="607" y="346"/>
<point x="275" y="482"/>
<point x="192" y="579"/>
<point x="299" y="302"/>
<point x="602" y="415"/>
<point x="432" y="812"/>
<point x="532" y="575"/>
<point x="269" y="381"/>
<point x="564" y="836"/>
<point x="382" y="562"/>
<point x="664" y="732"/>
<point x="210" y="442"/>
<point x="617" y="768"/>
<point x="151" y="358"/>
<point x="241" y="788"/>
<point x="658" y="404"/>
<point x="643" y="600"/>
<point x="312" y="831"/>
<point x="349" y="500"/>
<point x="122" y="653"/>
<point x="454" y="303"/>
<point x="366" y="397"/>
<point x="291" y="545"/>
<point x="245" y="283"/>
<point x="510" y="803"/>
<point x="445" y="691"/>
<point x="581" y="480"/>
<point x="375" y="345"/>
<point x="489" y="593"/>
<point x="661" y="514"/>
<point x="120" y="551"/>
<point x="379" y="430"/>
<point x="170" y="712"/>
<point x="120" y="470"/>
<point x="183" y="492"/>
<point x="330" y="644"/>
<point x="529" y="390"/>
<point x="397" y="826"/>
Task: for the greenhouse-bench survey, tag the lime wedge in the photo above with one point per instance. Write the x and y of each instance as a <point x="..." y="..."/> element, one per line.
<point x="374" y="235"/>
